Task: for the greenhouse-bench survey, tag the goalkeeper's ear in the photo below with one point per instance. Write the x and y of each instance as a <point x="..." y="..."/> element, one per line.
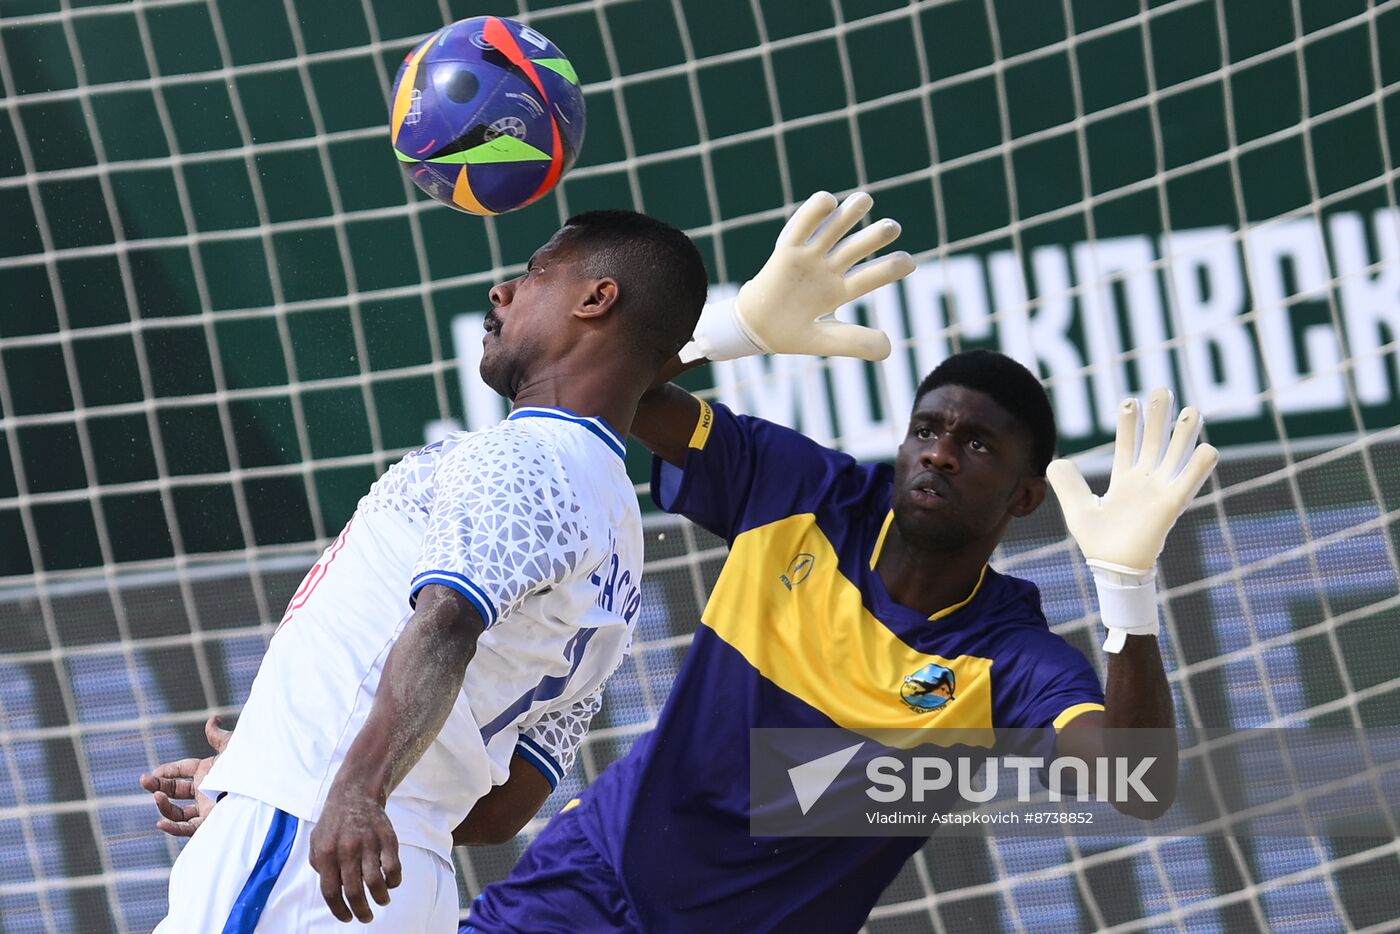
<point x="1030" y="493"/>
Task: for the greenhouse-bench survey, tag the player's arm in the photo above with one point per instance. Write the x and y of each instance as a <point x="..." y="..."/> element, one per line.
<point x="789" y="307"/>
<point x="499" y="815"/>
<point x="1137" y="722"/>
<point x="353" y="847"/>
<point x="1121" y="535"/>
<point x="665" y="422"/>
<point x="544" y="755"/>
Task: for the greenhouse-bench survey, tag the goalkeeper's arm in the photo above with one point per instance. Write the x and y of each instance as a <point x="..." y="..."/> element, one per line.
<point x="1137" y="722"/>
<point x="1121" y="534"/>
<point x="789" y="307"/>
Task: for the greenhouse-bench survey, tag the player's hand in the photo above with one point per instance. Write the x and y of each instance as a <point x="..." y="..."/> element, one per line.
<point x="790" y="306"/>
<point x="1122" y="532"/>
<point x="354" y="848"/>
<point x="180" y="781"/>
<point x="1126" y="528"/>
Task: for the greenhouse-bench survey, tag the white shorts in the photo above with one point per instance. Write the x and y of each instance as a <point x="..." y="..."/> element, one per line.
<point x="248" y="868"/>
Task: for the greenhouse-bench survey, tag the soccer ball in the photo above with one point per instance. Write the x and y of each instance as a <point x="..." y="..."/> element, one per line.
<point x="486" y="115"/>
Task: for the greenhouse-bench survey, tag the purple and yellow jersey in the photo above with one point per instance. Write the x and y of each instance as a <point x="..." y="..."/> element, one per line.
<point x="800" y="631"/>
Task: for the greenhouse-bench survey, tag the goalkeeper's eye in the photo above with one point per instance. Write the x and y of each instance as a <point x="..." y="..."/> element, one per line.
<point x="923" y="434"/>
<point x="976" y="444"/>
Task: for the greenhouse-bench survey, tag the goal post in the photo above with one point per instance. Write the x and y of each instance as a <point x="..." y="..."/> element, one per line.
<point x="223" y="312"/>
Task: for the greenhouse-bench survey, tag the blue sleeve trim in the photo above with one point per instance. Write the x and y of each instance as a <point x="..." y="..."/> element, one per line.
<point x="460" y="583"/>
<point x="535" y="754"/>
<point x="666" y="480"/>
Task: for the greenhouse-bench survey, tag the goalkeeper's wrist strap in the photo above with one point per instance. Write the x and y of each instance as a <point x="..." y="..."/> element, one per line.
<point x="721" y="335"/>
<point x="1127" y="602"/>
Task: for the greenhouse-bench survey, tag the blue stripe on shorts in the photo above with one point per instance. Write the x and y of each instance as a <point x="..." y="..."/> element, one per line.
<point x="277" y="846"/>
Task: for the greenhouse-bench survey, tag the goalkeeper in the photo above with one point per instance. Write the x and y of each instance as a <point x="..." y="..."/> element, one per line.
<point x="897" y="574"/>
<point x="896" y="579"/>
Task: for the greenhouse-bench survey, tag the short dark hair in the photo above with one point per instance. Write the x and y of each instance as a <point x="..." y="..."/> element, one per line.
<point x="1010" y="385"/>
<point x="661" y="273"/>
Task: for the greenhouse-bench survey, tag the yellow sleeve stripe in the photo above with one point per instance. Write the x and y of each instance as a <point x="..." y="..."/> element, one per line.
<point x="1071" y="712"/>
<point x="571" y="805"/>
<point x="703" y="425"/>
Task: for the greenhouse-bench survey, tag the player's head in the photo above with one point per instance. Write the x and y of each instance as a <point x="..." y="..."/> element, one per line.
<point x="980" y="436"/>
<point x="614" y="288"/>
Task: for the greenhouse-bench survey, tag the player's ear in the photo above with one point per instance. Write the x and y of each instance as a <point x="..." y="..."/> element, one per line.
<point x="600" y="298"/>
<point x="1030" y="493"/>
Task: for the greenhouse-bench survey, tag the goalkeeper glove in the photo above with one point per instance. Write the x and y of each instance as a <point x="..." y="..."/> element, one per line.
<point x="789" y="307"/>
<point x="1122" y="532"/>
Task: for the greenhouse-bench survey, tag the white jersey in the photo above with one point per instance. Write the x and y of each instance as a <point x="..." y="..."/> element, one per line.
<point x="533" y="520"/>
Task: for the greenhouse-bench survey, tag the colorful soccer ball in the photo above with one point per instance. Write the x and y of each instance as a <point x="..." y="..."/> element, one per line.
<point x="486" y="115"/>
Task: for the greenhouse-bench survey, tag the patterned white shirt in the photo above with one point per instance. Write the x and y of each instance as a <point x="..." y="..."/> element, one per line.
<point x="535" y="522"/>
<point x="552" y="741"/>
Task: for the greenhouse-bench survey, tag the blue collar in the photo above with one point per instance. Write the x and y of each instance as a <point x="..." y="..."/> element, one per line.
<point x="602" y="429"/>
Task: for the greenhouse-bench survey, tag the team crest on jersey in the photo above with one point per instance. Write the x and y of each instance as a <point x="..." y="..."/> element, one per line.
<point x="797" y="570"/>
<point x="928" y="689"/>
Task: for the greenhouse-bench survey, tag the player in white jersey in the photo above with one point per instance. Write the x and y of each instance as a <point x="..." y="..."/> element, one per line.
<point x="455" y="636"/>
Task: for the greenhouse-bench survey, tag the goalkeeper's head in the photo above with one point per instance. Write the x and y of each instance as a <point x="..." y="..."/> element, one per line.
<point x="611" y="288"/>
<point x="1012" y="387"/>
<point x="980" y="436"/>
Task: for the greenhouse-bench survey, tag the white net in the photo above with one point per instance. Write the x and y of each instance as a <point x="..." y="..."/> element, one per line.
<point x="223" y="312"/>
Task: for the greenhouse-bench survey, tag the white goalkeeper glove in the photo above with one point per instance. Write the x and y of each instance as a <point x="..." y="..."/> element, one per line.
<point x="1122" y="532"/>
<point x="789" y="307"/>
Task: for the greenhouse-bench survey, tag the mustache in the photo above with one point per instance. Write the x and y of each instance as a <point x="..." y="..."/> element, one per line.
<point x="491" y="322"/>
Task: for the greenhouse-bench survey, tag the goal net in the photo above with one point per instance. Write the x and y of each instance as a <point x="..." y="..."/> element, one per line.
<point x="223" y="312"/>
